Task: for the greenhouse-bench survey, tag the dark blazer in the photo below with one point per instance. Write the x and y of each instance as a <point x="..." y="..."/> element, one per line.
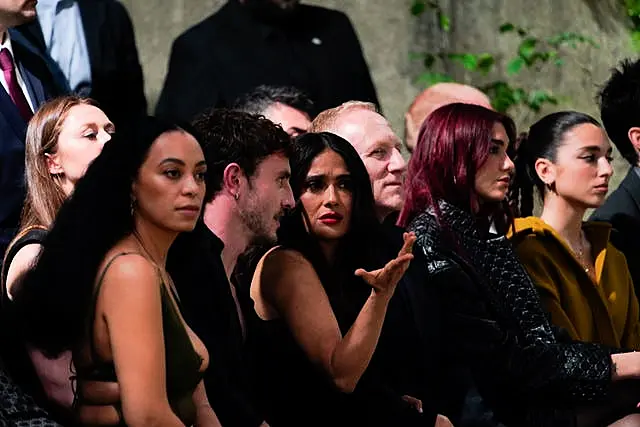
<point x="622" y="211"/>
<point x="40" y="85"/>
<point x="231" y="52"/>
<point x="116" y="74"/>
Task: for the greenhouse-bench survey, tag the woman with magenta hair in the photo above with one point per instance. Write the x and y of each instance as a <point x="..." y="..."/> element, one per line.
<point x="529" y="372"/>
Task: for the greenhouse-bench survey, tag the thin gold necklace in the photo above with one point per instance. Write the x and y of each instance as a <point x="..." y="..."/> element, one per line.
<point x="163" y="273"/>
<point x="580" y="255"/>
<point x="144" y="248"/>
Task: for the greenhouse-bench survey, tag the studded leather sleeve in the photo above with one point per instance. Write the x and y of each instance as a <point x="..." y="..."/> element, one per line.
<point x="523" y="361"/>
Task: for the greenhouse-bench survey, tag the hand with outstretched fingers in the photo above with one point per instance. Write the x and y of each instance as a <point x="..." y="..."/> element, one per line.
<point x="384" y="280"/>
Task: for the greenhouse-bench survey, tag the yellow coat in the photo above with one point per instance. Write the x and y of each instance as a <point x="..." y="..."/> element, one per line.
<point x="605" y="311"/>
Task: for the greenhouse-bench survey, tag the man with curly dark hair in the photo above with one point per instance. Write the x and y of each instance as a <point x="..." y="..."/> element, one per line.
<point x="247" y="193"/>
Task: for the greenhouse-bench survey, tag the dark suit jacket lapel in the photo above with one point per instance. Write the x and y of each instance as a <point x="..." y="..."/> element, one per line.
<point x="22" y="50"/>
<point x="631" y="184"/>
<point x="93" y="15"/>
<point x="10" y="112"/>
<point x="33" y="32"/>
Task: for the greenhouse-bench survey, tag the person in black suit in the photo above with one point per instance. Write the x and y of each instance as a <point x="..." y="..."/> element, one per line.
<point x="26" y="83"/>
<point x="277" y="42"/>
<point x="107" y="41"/>
<point x="247" y="192"/>
<point x="619" y="103"/>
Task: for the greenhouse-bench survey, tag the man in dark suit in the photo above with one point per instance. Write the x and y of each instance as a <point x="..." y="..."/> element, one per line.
<point x="92" y="44"/>
<point x="619" y="104"/>
<point x="277" y="42"/>
<point x="26" y="84"/>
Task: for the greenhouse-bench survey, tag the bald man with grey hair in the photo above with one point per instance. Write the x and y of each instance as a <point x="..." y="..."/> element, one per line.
<point x="434" y="97"/>
<point x="378" y="146"/>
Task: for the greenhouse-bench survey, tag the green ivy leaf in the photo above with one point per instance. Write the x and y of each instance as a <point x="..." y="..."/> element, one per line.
<point x="527" y="48"/>
<point x="537" y="98"/>
<point x="445" y="22"/>
<point x="559" y="62"/>
<point x="515" y="65"/>
<point x="418" y="7"/>
<point x="485" y="62"/>
<point x="506" y="27"/>
<point x="429" y="79"/>
<point x="518" y="95"/>
<point x="468" y="60"/>
<point x="635" y="39"/>
<point x="633" y="7"/>
<point x="501" y="94"/>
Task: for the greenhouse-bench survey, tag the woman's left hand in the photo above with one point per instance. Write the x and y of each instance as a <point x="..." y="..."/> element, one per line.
<point x="384" y="280"/>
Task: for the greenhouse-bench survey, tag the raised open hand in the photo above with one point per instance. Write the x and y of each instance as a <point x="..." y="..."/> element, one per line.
<point x="384" y="280"/>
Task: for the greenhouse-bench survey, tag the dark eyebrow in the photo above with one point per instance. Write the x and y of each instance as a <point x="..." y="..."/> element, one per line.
<point x="284" y="174"/>
<point x="201" y="163"/>
<point x="318" y="176"/>
<point x="173" y="160"/>
<point x="498" y="142"/>
<point x="594" y="149"/>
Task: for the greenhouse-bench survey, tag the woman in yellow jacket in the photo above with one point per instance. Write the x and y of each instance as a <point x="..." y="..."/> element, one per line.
<point x="583" y="281"/>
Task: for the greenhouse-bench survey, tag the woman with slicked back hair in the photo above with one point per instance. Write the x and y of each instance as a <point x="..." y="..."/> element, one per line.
<point x="529" y="372"/>
<point x="584" y="282"/>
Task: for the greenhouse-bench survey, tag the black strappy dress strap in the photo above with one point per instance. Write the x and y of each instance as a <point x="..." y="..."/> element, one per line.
<point x="96" y="292"/>
<point x="28" y="236"/>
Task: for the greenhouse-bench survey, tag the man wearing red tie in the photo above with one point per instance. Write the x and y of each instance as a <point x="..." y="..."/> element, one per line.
<point x="26" y="84"/>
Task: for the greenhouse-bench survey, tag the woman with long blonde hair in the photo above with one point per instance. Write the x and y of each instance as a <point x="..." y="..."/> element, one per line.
<point x="64" y="136"/>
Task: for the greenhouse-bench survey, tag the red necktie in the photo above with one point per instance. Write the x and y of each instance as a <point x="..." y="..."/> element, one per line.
<point x="15" y="91"/>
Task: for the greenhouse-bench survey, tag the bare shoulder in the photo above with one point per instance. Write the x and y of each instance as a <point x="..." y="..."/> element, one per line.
<point x="284" y="257"/>
<point x="128" y="274"/>
<point x="22" y="262"/>
<point x="285" y="263"/>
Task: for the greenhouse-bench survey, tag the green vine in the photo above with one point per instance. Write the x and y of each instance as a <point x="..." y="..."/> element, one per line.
<point x="633" y="11"/>
<point x="533" y="53"/>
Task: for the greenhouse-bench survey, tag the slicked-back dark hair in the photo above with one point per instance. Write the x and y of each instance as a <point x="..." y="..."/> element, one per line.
<point x="235" y="137"/>
<point x="619" y="101"/>
<point x="541" y="142"/>
<point x="264" y="96"/>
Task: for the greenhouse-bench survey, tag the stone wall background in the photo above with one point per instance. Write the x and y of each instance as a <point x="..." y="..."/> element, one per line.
<point x="388" y="32"/>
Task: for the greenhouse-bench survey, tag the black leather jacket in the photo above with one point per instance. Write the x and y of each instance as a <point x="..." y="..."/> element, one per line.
<point x="527" y="370"/>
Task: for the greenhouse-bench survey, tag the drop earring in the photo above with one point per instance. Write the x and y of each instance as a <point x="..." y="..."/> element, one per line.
<point x="132" y="206"/>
